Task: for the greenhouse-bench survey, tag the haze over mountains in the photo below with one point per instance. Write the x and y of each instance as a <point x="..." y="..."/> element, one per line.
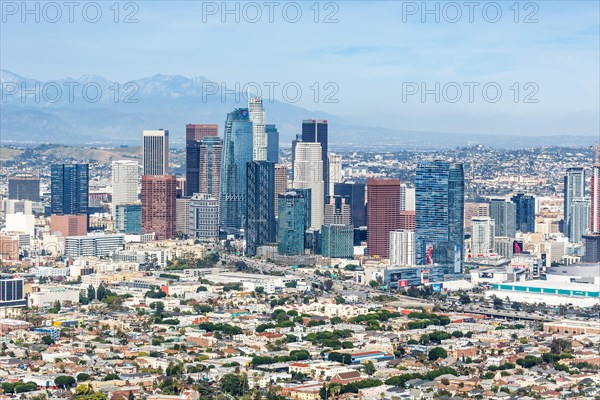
<point x="170" y="101"/>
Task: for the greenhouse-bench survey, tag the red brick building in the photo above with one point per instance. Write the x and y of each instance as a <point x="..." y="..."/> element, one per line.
<point x="158" y="205"/>
<point x="383" y="214"/>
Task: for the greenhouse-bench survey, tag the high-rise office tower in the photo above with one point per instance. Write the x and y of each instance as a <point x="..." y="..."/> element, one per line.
<point x="383" y="214"/>
<point x="439" y="198"/>
<point x="356" y="192"/>
<point x="197" y="132"/>
<point x="335" y="171"/>
<point x="475" y="210"/>
<point x="483" y="237"/>
<point x="69" y="189"/>
<point x="204" y="216"/>
<point x="281" y="182"/>
<point x="315" y="131"/>
<point x="337" y="211"/>
<point x="337" y="241"/>
<point x="211" y="154"/>
<point x="525" y="207"/>
<point x="195" y="135"/>
<point x="156" y="152"/>
<point x="595" y="196"/>
<point x="579" y="220"/>
<point x="574" y="188"/>
<point x="407" y="198"/>
<point x="402" y="247"/>
<point x="260" y="211"/>
<point x="272" y="143"/>
<point x="259" y="133"/>
<point x="504" y="214"/>
<point x="24" y="187"/>
<point x="182" y="216"/>
<point x="237" y="151"/>
<point x="159" y="194"/>
<point x="307" y="194"/>
<point x="125" y="177"/>
<point x="297" y="140"/>
<point x="291" y="223"/>
<point x="308" y="174"/>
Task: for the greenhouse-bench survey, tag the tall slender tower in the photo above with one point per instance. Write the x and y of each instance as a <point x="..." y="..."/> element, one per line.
<point x="260" y="208"/>
<point x="195" y="135"/>
<point x="316" y="131"/>
<point x="159" y="210"/>
<point x="439" y="231"/>
<point x="259" y="133"/>
<point x="595" y="199"/>
<point x="156" y="152"/>
<point x="69" y="189"/>
<point x="308" y="174"/>
<point x="237" y="151"/>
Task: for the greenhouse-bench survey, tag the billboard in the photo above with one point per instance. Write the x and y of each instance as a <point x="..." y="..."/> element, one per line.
<point x="437" y="287"/>
<point x="517" y="246"/>
<point x="395" y="277"/>
<point x="429" y="254"/>
<point x="402" y="283"/>
<point x="488" y="275"/>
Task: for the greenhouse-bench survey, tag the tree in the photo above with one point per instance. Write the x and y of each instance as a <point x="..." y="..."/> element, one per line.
<point x="91" y="293"/>
<point x="369" y="368"/>
<point x="328" y="284"/>
<point x="47" y="340"/>
<point x="82" y="377"/>
<point x="464" y="298"/>
<point x="235" y="385"/>
<point x="111" y="377"/>
<point x="259" y="290"/>
<point x="437" y="352"/>
<point x="101" y="292"/>
<point x="498" y="303"/>
<point x="64" y="381"/>
<point x="201" y="289"/>
<point x="373" y="284"/>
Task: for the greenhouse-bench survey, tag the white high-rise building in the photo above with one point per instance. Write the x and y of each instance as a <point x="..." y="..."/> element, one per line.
<point x="335" y="171"/>
<point x="156" y="152"/>
<point x="204" y="216"/>
<point x="407" y="198"/>
<point x="579" y="219"/>
<point x="182" y="216"/>
<point x="483" y="237"/>
<point x="402" y="247"/>
<point x="257" y="116"/>
<point x="125" y="178"/>
<point x="308" y="174"/>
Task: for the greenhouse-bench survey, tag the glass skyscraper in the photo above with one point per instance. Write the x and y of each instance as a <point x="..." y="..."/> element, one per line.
<point x="356" y="192"/>
<point x="69" y="189"/>
<point x="316" y="131"/>
<point x="260" y="208"/>
<point x="237" y="151"/>
<point x="272" y="143"/>
<point x="439" y="197"/>
<point x="525" y="205"/>
<point x="291" y="223"/>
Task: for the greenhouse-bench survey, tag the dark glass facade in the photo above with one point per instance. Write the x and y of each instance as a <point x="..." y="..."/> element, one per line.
<point x="525" y="209"/>
<point x="237" y="152"/>
<point x="260" y="211"/>
<point x="439" y="225"/>
<point x="24" y="187"/>
<point x="356" y="193"/>
<point x="69" y="189"/>
<point x="272" y="143"/>
<point x="11" y="293"/>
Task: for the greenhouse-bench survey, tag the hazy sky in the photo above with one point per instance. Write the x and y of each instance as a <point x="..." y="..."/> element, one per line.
<point x="380" y="55"/>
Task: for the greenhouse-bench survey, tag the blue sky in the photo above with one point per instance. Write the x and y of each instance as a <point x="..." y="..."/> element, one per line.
<point x="371" y="54"/>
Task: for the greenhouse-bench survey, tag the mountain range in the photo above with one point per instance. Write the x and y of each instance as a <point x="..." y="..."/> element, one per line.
<point x="108" y="114"/>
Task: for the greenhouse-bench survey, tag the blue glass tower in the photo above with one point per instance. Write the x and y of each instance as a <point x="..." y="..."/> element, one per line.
<point x="237" y="151"/>
<point x="69" y="188"/>
<point x="291" y="222"/>
<point x="272" y="143"/>
<point x="439" y="197"/>
<point x="260" y="208"/>
<point x="525" y="205"/>
<point x="337" y="241"/>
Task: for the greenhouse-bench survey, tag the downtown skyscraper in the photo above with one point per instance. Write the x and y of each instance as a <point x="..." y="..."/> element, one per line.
<point x="198" y="139"/>
<point x="383" y="214"/>
<point x="69" y="189"/>
<point x="315" y="131"/>
<point x="156" y="152"/>
<point x="237" y="151"/>
<point x="595" y="196"/>
<point x="260" y="205"/>
<point x="308" y="174"/>
<point x="259" y="134"/>
<point x="574" y="190"/>
<point x="439" y="198"/>
<point x="125" y="178"/>
<point x="291" y="223"/>
<point x="525" y="208"/>
<point x="159" y="193"/>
